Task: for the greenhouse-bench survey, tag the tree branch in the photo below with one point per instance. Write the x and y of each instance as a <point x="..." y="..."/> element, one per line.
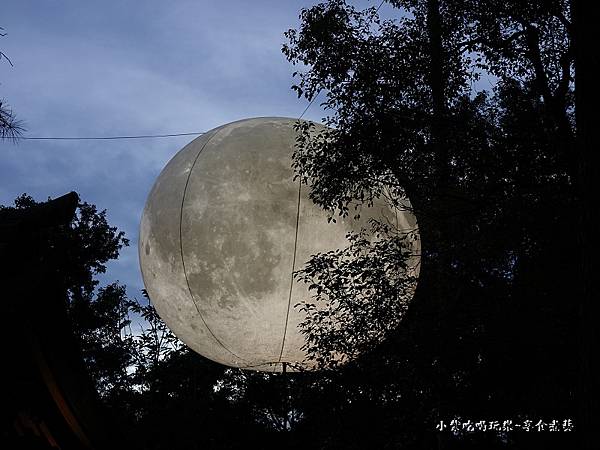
<point x="504" y="43"/>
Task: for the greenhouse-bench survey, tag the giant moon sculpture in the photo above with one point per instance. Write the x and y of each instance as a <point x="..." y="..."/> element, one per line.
<point x="224" y="227"/>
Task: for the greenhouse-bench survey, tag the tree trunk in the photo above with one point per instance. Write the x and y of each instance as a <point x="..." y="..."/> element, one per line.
<point x="440" y="225"/>
<point x="438" y="98"/>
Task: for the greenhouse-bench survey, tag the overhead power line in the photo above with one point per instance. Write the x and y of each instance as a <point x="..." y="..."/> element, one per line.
<point x="101" y="138"/>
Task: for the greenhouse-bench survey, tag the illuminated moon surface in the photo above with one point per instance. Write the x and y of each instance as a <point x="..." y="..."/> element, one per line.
<point x="223" y="229"/>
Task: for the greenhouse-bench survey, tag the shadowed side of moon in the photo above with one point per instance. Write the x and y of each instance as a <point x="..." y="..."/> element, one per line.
<point x="316" y="235"/>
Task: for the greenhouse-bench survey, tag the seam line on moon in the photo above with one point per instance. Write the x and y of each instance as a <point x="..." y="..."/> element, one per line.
<point x="181" y="250"/>
<point x="287" y="316"/>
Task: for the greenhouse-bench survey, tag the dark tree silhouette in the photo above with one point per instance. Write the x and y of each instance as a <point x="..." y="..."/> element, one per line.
<point x="492" y="178"/>
<point x="161" y="394"/>
<point x="81" y="251"/>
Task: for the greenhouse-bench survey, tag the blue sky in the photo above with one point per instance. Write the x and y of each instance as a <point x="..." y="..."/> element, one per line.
<point x="134" y="67"/>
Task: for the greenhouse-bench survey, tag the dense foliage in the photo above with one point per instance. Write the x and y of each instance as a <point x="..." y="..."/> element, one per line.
<point x="491" y="172"/>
